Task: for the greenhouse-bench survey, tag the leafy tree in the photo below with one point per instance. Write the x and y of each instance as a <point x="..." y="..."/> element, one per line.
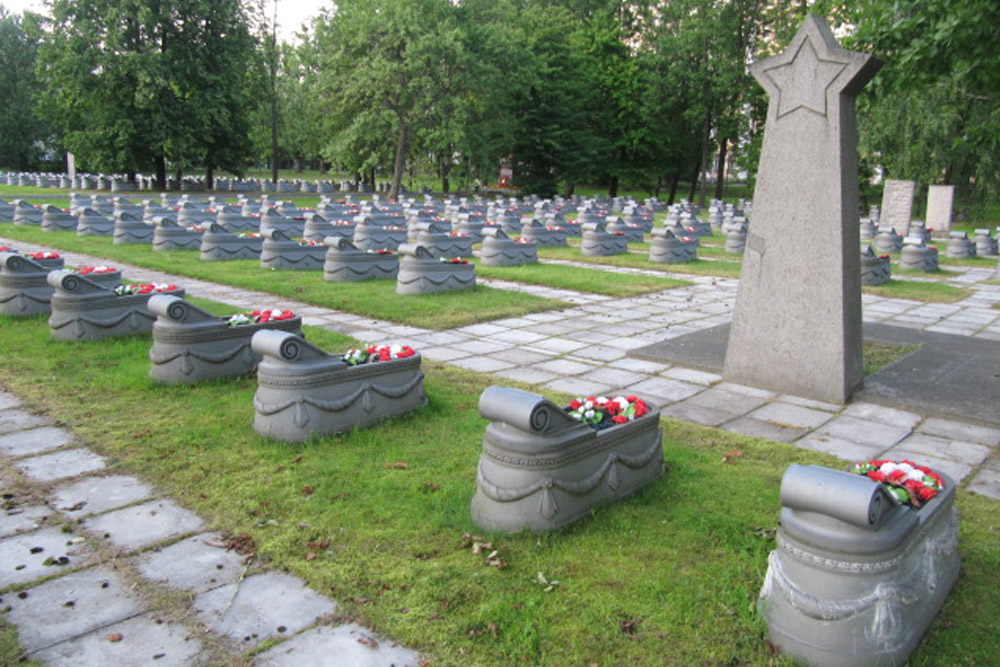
<point x="932" y="114"/>
<point x="21" y="128"/>
<point x="135" y="83"/>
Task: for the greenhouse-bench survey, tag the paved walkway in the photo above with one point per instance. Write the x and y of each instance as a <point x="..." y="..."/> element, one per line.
<point x="577" y="350"/>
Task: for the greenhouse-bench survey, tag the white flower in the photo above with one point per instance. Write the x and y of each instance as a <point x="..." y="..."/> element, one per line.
<point x="916" y="474"/>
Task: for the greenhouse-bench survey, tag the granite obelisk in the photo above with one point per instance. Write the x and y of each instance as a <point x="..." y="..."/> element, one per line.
<point x="797" y="323"/>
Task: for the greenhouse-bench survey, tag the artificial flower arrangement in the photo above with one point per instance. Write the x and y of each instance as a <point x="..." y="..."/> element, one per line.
<point x="554" y="228"/>
<point x="43" y="255"/>
<point x="144" y="288"/>
<point x="195" y="228"/>
<point x="309" y="243"/>
<point x="907" y="482"/>
<point x="87" y="270"/>
<point x="260" y="316"/>
<point x="602" y="412"/>
<point x="618" y="233"/>
<point x="376" y="353"/>
<point x="394" y="228"/>
<point x="342" y="223"/>
<point x="380" y="251"/>
<point x="7" y="248"/>
<point x="521" y="239"/>
<point x="454" y="260"/>
<point x="249" y="235"/>
<point x="884" y="257"/>
<point x="456" y="235"/>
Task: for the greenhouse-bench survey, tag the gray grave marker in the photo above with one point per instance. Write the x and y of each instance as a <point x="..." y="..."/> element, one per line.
<point x="797" y="323"/>
<point x="939" y="203"/>
<point x="897" y="205"/>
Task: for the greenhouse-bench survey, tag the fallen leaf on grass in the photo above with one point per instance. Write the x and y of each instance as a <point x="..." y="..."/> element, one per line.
<point x="114" y="637"/>
<point x="297" y="459"/>
<point x="307" y="490"/>
<point x="368" y="641"/>
<point x="732" y="455"/>
<point x="398" y="465"/>
<point x="430" y="487"/>
<point x="311" y="556"/>
<point x="321" y="546"/>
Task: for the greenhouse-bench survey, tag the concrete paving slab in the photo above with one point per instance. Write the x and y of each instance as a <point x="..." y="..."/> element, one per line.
<point x="864" y="432"/>
<point x="260" y="607"/>
<point x="520" y="357"/>
<point x="578" y="387"/>
<point x="145" y="524"/>
<point x="744" y="390"/>
<point x="29" y="556"/>
<point x="17" y="420"/>
<point x="692" y="375"/>
<point x="443" y="353"/>
<point x="563" y="367"/>
<point x="664" y="391"/>
<point x="192" y="564"/>
<point x="992" y="463"/>
<point x="638" y="365"/>
<point x="45" y="616"/>
<point x="966" y="453"/>
<point x="808" y="403"/>
<point x="768" y="430"/>
<point x="23" y="519"/>
<point x="839" y="447"/>
<point x="603" y="353"/>
<point x="986" y="483"/>
<point x="33" y="441"/>
<point x="144" y="642"/>
<point x="344" y="646"/>
<point x="529" y="375"/>
<point x="791" y="416"/>
<point x="482" y="364"/>
<point x="615" y="377"/>
<point x="948" y="428"/>
<point x="699" y="414"/>
<point x="8" y="400"/>
<point x="93" y="495"/>
<point x="882" y="414"/>
<point x="722" y="399"/>
<point x="60" y="465"/>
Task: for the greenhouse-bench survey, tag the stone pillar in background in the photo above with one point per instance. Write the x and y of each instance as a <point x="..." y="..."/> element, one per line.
<point x="940" y="199"/>
<point x="897" y="205"/>
<point x="797" y="323"/>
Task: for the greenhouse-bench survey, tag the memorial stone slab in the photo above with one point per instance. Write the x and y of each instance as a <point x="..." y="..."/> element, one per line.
<point x="22" y="519"/>
<point x="43" y="618"/>
<point x="897" y="205"/>
<point x="261" y="607"/>
<point x="797" y="321"/>
<point x="38" y="554"/>
<point x="16" y="420"/>
<point x="93" y="495"/>
<point x="142" y="525"/>
<point x="69" y="463"/>
<point x="145" y="641"/>
<point x="33" y="441"/>
<point x="940" y="199"/>
<point x="197" y="564"/>
<point x="344" y="646"/>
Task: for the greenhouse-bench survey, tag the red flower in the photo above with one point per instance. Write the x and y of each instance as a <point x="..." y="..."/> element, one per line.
<point x="926" y="493"/>
<point x="877" y="475"/>
<point x="896" y="475"/>
<point x="619" y="419"/>
<point x="575" y="404"/>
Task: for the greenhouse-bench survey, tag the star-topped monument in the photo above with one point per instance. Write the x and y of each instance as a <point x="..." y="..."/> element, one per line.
<point x="797" y="323"/>
<point x="811" y="67"/>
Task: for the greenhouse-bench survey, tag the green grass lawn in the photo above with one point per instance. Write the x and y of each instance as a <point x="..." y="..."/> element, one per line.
<point x="668" y="576"/>
<point x="377" y="299"/>
<point x="920" y="291"/>
<point x="727" y="269"/>
<point x="572" y="278"/>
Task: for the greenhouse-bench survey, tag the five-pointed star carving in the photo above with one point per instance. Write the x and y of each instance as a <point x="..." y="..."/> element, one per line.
<point x="803" y="82"/>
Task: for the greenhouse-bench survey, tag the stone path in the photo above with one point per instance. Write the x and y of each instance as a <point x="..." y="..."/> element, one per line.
<point x="119" y="575"/>
<point x="576" y="350"/>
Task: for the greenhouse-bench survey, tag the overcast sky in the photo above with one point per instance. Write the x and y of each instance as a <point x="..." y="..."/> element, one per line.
<point x="291" y="13"/>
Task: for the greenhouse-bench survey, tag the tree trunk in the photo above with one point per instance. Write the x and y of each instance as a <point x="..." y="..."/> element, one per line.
<point x="703" y="167"/>
<point x="694" y="180"/>
<point x="720" y="172"/>
<point x="178" y="175"/>
<point x="659" y="184"/>
<point x="675" y="179"/>
<point x="161" y="172"/>
<point x="209" y="172"/>
<point x="570" y="189"/>
<point x="613" y="187"/>
<point x="445" y="170"/>
<point x="402" y="141"/>
<point x="298" y="164"/>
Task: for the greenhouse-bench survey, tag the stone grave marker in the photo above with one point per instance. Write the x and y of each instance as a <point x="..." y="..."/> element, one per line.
<point x="939" y="204"/>
<point x="897" y="205"/>
<point x="797" y="322"/>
